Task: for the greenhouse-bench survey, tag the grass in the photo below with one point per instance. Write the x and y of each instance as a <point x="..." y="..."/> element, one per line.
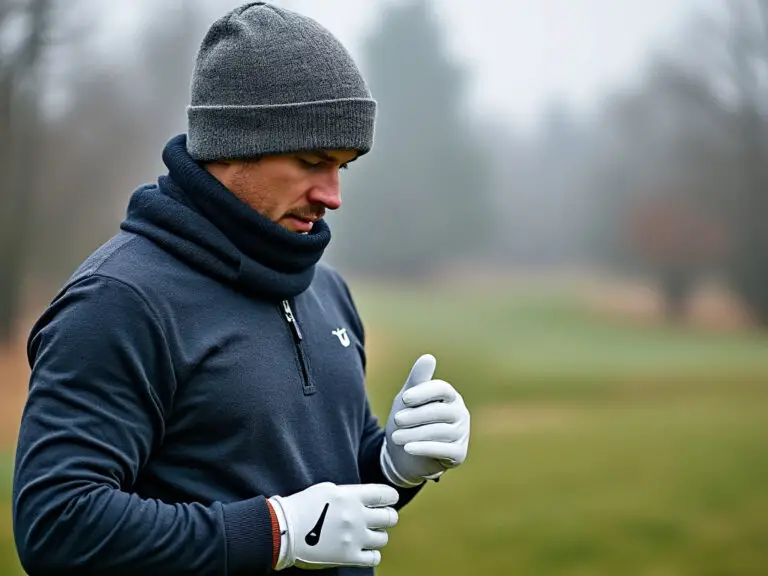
<point x="624" y="489"/>
<point x="599" y="447"/>
<point x="9" y="564"/>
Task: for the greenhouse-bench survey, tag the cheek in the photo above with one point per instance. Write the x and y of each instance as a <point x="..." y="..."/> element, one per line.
<point x="275" y="190"/>
<point x="291" y="190"/>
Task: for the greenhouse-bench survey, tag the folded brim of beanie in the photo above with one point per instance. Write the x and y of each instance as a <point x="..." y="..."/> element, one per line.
<point x="231" y="132"/>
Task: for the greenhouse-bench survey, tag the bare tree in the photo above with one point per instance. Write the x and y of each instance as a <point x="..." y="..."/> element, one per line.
<point x="747" y="43"/>
<point x="19" y="132"/>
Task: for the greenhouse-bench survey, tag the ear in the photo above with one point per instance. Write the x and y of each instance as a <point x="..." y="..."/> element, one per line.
<point x="219" y="169"/>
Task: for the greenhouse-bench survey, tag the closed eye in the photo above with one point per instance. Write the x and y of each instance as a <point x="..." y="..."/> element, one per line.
<point x="320" y="164"/>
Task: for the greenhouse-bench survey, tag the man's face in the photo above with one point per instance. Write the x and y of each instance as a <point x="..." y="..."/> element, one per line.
<point x="293" y="190"/>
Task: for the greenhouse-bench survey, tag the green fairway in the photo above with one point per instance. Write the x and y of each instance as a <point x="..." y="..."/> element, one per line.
<point x="9" y="564"/>
<point x="599" y="447"/>
<point x="543" y="345"/>
<point x="673" y="488"/>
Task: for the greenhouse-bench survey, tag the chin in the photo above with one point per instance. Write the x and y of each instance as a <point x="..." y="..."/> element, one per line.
<point x="299" y="232"/>
<point x="286" y="225"/>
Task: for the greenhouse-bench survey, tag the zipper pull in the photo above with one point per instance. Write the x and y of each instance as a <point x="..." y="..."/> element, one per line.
<point x="291" y="320"/>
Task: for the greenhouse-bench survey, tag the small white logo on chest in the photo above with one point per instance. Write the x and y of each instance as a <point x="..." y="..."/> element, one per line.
<point x="341" y="333"/>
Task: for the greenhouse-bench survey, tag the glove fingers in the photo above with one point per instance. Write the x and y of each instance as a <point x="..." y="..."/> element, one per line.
<point x="374" y="494"/>
<point x="454" y="453"/>
<point x="431" y="391"/>
<point x="439" y="433"/>
<point x="422" y="371"/>
<point x="380" y="517"/>
<point x="431" y="413"/>
<point x="375" y="539"/>
<point x="367" y="558"/>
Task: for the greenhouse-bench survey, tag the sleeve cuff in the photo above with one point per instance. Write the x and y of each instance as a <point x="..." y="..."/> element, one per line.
<point x="388" y="469"/>
<point x="248" y="527"/>
<point x="279" y="533"/>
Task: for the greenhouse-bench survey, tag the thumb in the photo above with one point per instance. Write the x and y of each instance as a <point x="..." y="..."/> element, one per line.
<point x="422" y="371"/>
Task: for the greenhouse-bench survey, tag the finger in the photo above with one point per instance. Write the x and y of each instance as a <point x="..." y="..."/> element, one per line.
<point x="431" y="413"/>
<point x="373" y="495"/>
<point x="427" y="433"/>
<point x="423" y="370"/>
<point x="431" y="391"/>
<point x="367" y="558"/>
<point x="375" y="539"/>
<point x="453" y="453"/>
<point x="381" y="517"/>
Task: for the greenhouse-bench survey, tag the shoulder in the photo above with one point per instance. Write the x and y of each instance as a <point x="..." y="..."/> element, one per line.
<point x="100" y="330"/>
<point x="162" y="280"/>
<point x="328" y="277"/>
<point x="112" y="282"/>
<point x="129" y="258"/>
<point x="330" y="284"/>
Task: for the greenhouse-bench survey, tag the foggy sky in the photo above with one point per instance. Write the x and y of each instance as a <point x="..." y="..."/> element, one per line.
<point x="521" y="53"/>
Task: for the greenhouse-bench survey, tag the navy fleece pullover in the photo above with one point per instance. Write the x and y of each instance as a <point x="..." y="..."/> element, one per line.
<point x="170" y="395"/>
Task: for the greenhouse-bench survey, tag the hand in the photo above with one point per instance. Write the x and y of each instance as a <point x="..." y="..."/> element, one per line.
<point x="427" y="431"/>
<point x="336" y="525"/>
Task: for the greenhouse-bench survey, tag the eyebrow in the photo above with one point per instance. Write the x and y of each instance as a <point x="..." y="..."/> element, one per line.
<point x="328" y="158"/>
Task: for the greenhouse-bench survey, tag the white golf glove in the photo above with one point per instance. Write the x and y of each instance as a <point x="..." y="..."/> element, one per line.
<point x="330" y="525"/>
<point x="427" y="431"/>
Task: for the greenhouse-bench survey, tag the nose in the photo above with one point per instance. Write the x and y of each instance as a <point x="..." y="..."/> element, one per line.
<point x="327" y="191"/>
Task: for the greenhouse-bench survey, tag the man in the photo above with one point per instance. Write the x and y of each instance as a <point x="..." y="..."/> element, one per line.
<point x="197" y="401"/>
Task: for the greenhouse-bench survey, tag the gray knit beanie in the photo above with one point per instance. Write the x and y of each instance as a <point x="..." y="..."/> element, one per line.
<point x="270" y="81"/>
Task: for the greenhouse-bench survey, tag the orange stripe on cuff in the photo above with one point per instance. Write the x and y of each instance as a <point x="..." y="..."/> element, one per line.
<point x="275" y="535"/>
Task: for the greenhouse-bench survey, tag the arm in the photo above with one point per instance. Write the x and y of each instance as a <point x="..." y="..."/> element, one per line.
<point x="370" y="459"/>
<point x="425" y="435"/>
<point x="101" y="382"/>
<point x="372" y="437"/>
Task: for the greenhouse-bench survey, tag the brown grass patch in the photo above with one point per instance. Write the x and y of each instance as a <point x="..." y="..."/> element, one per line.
<point x="14" y="379"/>
<point x="504" y="420"/>
<point x="711" y="307"/>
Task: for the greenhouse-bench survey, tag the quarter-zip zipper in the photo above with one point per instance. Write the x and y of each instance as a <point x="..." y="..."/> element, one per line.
<point x="307" y="385"/>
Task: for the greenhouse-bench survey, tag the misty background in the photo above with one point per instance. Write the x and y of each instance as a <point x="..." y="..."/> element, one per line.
<point x="625" y="137"/>
<point x="566" y="202"/>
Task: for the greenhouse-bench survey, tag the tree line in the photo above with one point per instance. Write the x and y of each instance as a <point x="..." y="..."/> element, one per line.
<point x="666" y="178"/>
